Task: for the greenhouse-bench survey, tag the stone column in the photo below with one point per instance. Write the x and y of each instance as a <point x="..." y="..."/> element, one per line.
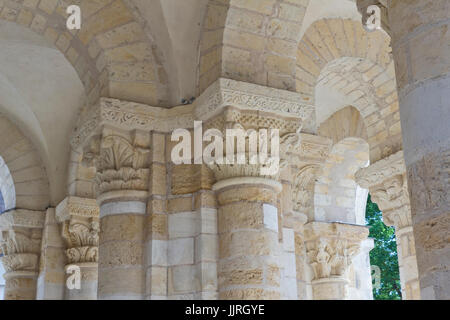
<point x="330" y="248"/>
<point x="80" y="228"/>
<point x="21" y="233"/>
<point x="249" y="251"/>
<point x="386" y="180"/>
<point x="122" y="162"/>
<point x="298" y="199"/>
<point x="420" y="38"/>
<point x="248" y="216"/>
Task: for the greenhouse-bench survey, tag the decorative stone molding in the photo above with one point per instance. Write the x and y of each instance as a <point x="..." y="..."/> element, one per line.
<point x="386" y="180"/>
<point x="22" y="218"/>
<point x="120" y="165"/>
<point x="381" y="170"/>
<point x="312" y="150"/>
<point x="235" y="118"/>
<point x="221" y="94"/>
<point x="130" y="116"/>
<point x="331" y="246"/>
<point x="80" y="228"/>
<point x="247" y="96"/>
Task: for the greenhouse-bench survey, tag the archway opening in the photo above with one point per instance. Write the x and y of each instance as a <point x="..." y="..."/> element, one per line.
<point x="383" y="257"/>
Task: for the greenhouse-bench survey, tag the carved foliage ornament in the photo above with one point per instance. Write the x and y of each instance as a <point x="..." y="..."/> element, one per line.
<point x="429" y="182"/>
<point x="331" y="257"/>
<point x="120" y="165"/>
<point x="303" y="188"/>
<point x="21" y="249"/>
<point x="82" y="239"/>
<point x="226" y="92"/>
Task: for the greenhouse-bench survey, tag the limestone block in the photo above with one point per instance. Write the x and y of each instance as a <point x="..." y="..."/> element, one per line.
<point x="190" y="178"/>
<point x="258" y="244"/>
<point x="240" y="215"/>
<point x="249" y="294"/>
<point x="177" y="205"/>
<point x="183" y="279"/>
<point x="205" y="199"/>
<point x="121" y="227"/>
<point x="288" y="240"/>
<point x="209" y="278"/>
<point x="157" y="281"/>
<point x="182" y="225"/>
<point x="157" y="253"/>
<point x="128" y="283"/>
<point x="207" y="246"/>
<point x="181" y="251"/>
<point x="120" y="253"/>
<point x="157" y="226"/>
<point x="208" y="222"/>
<point x="270" y="214"/>
<point x="249" y="194"/>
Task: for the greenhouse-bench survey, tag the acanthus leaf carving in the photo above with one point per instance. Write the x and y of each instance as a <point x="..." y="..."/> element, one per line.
<point x="82" y="254"/>
<point x="21" y="248"/>
<point x="302" y="188"/>
<point x="120" y="165"/>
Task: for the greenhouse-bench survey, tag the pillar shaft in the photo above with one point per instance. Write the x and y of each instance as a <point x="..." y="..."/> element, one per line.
<point x="121" y="159"/>
<point x="249" y="252"/>
<point x="420" y="41"/>
<point x="121" y="260"/>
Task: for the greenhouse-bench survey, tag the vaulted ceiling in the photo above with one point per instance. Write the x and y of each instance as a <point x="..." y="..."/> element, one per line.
<point x="155" y="52"/>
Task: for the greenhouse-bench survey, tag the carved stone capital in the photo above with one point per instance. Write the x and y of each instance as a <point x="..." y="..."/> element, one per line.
<point x="381" y="170"/>
<point x="21" y="248"/>
<point x="386" y="180"/>
<point x="80" y="228"/>
<point x="76" y="206"/>
<point x="121" y="161"/>
<point x="253" y="125"/>
<point x="125" y="115"/>
<point x="312" y="149"/>
<point x="22" y="218"/>
<point x="331" y="246"/>
<point x="248" y="96"/>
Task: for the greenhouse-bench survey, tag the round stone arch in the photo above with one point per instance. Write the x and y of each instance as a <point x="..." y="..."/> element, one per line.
<point x="253" y="41"/>
<point x="338" y="60"/>
<point x="7" y="190"/>
<point x="337" y="197"/>
<point x="23" y="179"/>
<point x="111" y="53"/>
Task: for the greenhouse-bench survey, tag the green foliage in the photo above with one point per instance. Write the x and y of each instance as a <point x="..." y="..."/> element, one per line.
<point x="384" y="254"/>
